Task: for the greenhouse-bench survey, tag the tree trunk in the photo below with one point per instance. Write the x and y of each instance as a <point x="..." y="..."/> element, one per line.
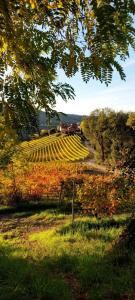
<point x="101" y="142"/>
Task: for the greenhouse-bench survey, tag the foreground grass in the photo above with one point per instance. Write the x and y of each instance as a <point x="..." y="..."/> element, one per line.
<point x="44" y="257"/>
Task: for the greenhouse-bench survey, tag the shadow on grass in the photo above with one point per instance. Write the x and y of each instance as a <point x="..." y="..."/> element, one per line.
<point x="27" y="210"/>
<point x="85" y="226"/>
<point x="27" y="207"/>
<point x="109" y="277"/>
<point x="25" y="279"/>
<point x="100" y="276"/>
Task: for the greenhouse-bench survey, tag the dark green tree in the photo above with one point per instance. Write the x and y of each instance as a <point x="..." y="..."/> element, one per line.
<point x="7" y="143"/>
<point x="129" y="162"/>
<point x="108" y="132"/>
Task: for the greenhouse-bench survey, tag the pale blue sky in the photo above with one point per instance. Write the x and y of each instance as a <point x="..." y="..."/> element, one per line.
<point x="119" y="95"/>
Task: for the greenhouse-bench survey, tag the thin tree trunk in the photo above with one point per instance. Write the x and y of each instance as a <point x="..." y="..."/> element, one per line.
<point x="101" y="142"/>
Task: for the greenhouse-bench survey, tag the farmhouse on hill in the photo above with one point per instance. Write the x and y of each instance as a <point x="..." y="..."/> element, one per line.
<point x="69" y="128"/>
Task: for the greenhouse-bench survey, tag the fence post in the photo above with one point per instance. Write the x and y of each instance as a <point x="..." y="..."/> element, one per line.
<point x="61" y="193"/>
<point x="73" y="197"/>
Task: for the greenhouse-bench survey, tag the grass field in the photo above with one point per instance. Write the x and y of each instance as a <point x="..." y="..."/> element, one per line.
<point x="44" y="257"/>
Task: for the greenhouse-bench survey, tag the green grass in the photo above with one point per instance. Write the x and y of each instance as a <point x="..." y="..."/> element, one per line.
<point x="44" y="256"/>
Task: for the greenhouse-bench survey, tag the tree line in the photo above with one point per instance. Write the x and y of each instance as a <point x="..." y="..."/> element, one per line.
<point x="112" y="135"/>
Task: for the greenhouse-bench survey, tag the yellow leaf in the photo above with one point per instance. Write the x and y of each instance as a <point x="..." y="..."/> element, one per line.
<point x="78" y="2"/>
<point x="3" y="45"/>
<point x="52" y="5"/>
<point x="33" y="3"/>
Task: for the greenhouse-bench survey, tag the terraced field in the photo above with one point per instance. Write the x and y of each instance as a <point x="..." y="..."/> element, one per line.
<point x="55" y="148"/>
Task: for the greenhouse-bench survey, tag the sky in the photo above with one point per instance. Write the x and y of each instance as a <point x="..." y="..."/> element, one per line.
<point x="119" y="95"/>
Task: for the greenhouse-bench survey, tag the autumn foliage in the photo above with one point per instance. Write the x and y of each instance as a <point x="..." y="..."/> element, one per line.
<point x="94" y="194"/>
<point x="106" y="194"/>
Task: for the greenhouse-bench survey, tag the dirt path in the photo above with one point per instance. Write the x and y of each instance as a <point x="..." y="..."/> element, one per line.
<point x="16" y="227"/>
<point x="75" y="286"/>
<point x="92" y="163"/>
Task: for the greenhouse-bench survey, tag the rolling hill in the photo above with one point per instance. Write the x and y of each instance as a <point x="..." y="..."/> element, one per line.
<point x="55" y="148"/>
<point x="69" y="118"/>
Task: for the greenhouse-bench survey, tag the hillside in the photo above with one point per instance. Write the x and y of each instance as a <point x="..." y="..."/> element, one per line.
<point x="53" y="148"/>
<point x="69" y="118"/>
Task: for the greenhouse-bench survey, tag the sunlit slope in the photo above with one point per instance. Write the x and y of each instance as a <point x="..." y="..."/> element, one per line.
<point x="54" y="148"/>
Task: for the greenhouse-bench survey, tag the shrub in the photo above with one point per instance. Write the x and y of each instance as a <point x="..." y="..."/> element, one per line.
<point x="106" y="194"/>
<point x="96" y="194"/>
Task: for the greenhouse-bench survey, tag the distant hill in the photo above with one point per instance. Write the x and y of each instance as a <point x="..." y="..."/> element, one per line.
<point x="69" y="118"/>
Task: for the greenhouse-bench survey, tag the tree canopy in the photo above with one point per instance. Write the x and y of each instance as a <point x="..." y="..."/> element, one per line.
<point x="131" y="120"/>
<point x="7" y="144"/>
<point x="38" y="37"/>
<point x="112" y="136"/>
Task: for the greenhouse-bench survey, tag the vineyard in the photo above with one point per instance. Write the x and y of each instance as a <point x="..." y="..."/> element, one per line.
<point x="55" y="148"/>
